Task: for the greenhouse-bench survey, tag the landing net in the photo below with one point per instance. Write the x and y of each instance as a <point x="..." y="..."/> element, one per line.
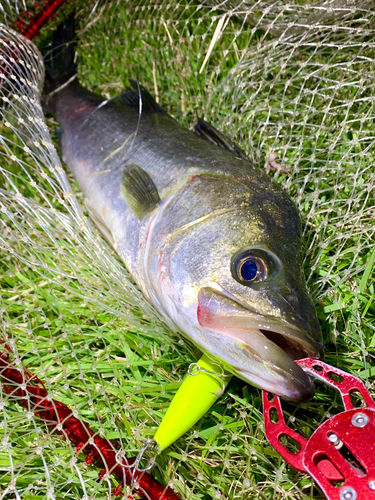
<point x="294" y="85"/>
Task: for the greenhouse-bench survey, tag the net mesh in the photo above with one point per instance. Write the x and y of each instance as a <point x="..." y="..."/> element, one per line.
<point x="293" y="85"/>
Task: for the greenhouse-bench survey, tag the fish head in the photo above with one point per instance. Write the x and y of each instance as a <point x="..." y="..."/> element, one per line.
<point x="234" y="284"/>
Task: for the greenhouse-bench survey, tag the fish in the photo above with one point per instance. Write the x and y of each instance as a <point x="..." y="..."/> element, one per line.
<point x="210" y="239"/>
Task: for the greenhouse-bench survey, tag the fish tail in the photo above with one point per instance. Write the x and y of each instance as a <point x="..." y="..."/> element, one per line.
<point x="59" y="62"/>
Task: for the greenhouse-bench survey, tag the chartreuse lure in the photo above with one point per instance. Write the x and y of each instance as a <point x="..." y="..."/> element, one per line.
<point x="203" y="385"/>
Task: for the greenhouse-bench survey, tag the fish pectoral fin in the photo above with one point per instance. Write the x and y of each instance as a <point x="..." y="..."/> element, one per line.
<point x="131" y="96"/>
<point x="139" y="191"/>
<point x="211" y="134"/>
<point x="98" y="221"/>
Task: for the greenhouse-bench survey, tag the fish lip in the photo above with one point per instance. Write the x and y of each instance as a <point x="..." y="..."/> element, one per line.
<point x="222" y="313"/>
<point x="312" y="349"/>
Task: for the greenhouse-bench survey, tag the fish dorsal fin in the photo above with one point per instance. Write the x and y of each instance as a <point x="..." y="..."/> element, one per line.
<point x="211" y="134"/>
<point x="130" y="97"/>
<point x="139" y="191"/>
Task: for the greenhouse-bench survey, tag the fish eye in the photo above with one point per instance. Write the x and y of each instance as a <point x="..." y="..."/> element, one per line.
<point x="254" y="266"/>
<point x="251" y="269"/>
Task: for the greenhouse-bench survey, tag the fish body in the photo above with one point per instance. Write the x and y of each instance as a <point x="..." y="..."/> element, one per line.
<point x="208" y="237"/>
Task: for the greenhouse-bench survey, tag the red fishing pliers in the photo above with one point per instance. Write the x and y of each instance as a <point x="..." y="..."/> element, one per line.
<point x="340" y="454"/>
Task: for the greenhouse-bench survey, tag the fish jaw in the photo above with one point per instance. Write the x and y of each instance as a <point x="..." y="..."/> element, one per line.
<point x="262" y="350"/>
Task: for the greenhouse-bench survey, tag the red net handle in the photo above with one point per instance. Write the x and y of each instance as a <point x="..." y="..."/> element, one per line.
<point x="31" y="392"/>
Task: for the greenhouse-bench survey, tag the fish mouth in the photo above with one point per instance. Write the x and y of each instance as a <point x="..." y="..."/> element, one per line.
<point x="292" y="341"/>
<point x="264" y="349"/>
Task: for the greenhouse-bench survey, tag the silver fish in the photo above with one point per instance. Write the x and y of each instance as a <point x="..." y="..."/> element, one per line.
<point x="209" y="238"/>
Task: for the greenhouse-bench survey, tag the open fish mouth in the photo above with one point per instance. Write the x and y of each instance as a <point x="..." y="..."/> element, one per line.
<point x="293" y="342"/>
<point x="289" y="345"/>
<point x="263" y="349"/>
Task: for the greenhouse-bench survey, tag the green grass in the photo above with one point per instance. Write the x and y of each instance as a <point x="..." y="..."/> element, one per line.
<point x="77" y="319"/>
